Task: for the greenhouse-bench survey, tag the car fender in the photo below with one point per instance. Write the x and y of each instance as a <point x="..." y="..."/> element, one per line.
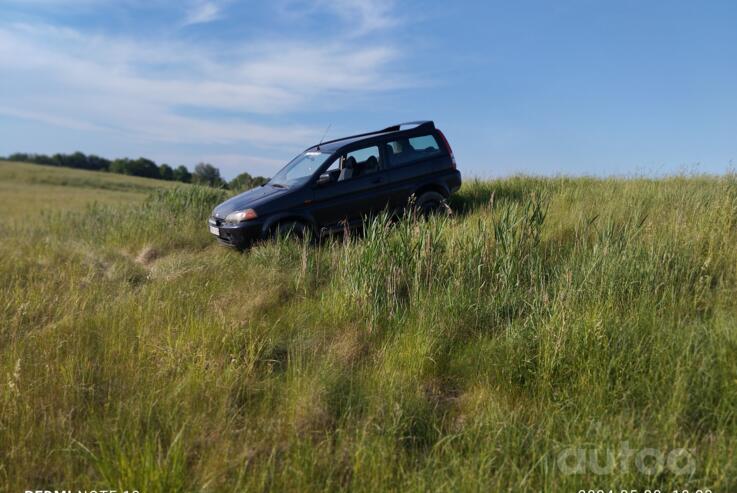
<point x="274" y="219"/>
<point x="434" y="186"/>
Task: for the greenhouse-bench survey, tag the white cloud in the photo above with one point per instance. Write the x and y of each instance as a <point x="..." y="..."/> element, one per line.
<point x="365" y="15"/>
<point x="359" y="17"/>
<point x="202" y="11"/>
<point x="178" y="98"/>
<point x="69" y="78"/>
<point x="60" y="121"/>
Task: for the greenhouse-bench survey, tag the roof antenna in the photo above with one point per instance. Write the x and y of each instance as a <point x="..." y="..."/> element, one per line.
<point x="323" y="136"/>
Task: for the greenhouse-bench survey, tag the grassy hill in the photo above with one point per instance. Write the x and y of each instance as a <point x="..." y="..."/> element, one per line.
<point x="27" y="188"/>
<point x="478" y="352"/>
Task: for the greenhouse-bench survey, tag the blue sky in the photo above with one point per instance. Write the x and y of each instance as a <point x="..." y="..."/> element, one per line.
<point x="537" y="87"/>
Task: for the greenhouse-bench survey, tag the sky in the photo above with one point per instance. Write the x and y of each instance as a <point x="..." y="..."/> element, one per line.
<point x="579" y="87"/>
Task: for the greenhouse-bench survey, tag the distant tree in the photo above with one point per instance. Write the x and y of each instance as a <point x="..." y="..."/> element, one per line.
<point x="76" y="160"/>
<point x="245" y="181"/>
<point x="181" y="173"/>
<point x="207" y="174"/>
<point x="135" y="167"/>
<point x="58" y="160"/>
<point x="165" y="172"/>
<point x="119" y="165"/>
<point x="145" y="167"/>
<point x="241" y="182"/>
<point x="41" y="159"/>
<point x="97" y="162"/>
<point x="21" y="157"/>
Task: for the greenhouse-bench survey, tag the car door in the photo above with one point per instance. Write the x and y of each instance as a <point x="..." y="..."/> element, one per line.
<point x="355" y="194"/>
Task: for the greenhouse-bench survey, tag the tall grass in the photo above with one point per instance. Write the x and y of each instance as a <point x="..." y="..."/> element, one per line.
<point x="459" y="353"/>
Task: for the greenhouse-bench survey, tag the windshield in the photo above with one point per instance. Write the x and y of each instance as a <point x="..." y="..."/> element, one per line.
<point x="299" y="169"/>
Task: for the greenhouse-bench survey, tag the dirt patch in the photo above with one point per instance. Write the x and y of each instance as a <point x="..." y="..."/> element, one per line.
<point x="442" y="393"/>
<point x="147" y="255"/>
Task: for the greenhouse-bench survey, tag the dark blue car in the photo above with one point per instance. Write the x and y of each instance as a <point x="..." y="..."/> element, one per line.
<point x="335" y="184"/>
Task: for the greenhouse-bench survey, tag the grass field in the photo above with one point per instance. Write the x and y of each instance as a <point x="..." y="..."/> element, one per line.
<point x="28" y="188"/>
<point x="546" y="321"/>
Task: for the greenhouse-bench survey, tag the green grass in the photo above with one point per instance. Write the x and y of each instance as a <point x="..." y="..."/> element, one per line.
<point x="463" y="353"/>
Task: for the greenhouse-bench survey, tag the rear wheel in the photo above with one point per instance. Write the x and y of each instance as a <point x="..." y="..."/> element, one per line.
<point x="432" y="203"/>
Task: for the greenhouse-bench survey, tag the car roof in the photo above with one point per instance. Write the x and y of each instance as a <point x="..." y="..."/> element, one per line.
<point x="333" y="145"/>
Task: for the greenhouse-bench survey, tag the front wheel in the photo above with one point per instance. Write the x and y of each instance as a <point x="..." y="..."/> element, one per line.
<point x="291" y="229"/>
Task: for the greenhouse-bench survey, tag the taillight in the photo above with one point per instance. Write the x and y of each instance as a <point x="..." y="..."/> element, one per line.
<point x="447" y="146"/>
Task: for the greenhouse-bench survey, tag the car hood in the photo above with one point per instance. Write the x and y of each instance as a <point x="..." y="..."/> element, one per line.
<point x="245" y="200"/>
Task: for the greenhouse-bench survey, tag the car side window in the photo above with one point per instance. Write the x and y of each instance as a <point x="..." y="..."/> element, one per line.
<point x="405" y="150"/>
<point x="360" y="162"/>
<point x="334" y="169"/>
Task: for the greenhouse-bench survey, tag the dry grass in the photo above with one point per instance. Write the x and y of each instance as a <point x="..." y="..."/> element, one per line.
<point x="28" y="190"/>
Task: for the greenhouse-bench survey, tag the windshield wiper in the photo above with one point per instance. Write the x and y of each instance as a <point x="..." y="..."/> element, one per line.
<point x="278" y="185"/>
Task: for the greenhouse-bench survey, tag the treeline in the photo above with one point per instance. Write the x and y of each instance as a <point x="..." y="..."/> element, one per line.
<point x="203" y="174"/>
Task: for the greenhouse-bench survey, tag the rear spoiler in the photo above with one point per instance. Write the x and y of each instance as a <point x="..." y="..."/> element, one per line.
<point x="421" y="125"/>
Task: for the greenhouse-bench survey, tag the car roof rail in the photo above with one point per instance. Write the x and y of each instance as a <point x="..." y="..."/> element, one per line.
<point x="421" y="124"/>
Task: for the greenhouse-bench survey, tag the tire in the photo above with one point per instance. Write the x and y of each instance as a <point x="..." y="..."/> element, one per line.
<point x="431" y="203"/>
<point x="291" y="229"/>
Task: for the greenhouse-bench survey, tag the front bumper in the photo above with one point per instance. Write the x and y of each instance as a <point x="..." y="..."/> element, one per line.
<point x="236" y="235"/>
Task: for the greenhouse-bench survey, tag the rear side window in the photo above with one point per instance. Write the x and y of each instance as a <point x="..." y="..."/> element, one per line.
<point x="407" y="150"/>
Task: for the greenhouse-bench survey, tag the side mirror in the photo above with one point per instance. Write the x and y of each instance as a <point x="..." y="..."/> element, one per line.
<point x="324" y="179"/>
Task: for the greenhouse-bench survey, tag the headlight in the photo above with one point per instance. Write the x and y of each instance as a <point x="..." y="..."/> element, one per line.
<point x="240" y="216"/>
